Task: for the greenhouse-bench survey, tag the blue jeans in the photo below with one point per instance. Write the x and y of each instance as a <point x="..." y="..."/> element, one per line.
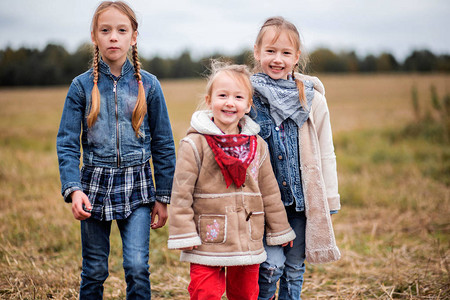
<point x="285" y="263"/>
<point x="135" y="233"/>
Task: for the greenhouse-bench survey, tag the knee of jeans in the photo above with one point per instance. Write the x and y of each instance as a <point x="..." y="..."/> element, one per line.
<point x="97" y="272"/>
<point x="136" y="266"/>
<point x="272" y="267"/>
<point x="295" y="271"/>
<point x="269" y="270"/>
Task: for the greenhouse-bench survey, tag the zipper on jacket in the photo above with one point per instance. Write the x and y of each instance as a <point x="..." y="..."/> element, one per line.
<point x="117" y="122"/>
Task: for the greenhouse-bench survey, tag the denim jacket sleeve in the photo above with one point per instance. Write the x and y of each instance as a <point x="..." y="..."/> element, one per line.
<point x="162" y="144"/>
<point x="68" y="139"/>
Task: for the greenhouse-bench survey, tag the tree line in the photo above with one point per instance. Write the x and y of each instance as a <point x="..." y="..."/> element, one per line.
<point x="55" y="65"/>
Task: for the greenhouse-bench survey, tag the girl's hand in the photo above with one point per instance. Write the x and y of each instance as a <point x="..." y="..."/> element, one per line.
<point x="291" y="244"/>
<point x="78" y="200"/>
<point x="160" y="210"/>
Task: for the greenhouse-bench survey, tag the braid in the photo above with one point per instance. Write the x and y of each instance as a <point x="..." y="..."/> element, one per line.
<point x="140" y="109"/>
<point x="95" y="94"/>
<point x="136" y="63"/>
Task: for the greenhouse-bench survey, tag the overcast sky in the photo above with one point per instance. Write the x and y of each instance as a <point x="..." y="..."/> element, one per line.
<point x="167" y="27"/>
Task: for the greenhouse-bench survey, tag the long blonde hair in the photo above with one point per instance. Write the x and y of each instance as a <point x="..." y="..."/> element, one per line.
<point x="280" y="24"/>
<point x="140" y="109"/>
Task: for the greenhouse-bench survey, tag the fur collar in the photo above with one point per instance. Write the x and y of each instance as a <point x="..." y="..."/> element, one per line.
<point x="201" y="122"/>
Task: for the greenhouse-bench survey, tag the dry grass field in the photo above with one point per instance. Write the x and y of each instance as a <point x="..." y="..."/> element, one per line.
<point x="393" y="229"/>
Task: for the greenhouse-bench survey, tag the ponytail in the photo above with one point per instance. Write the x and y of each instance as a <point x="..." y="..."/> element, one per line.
<point x="140" y="109"/>
<point x="301" y="89"/>
<point x="95" y="94"/>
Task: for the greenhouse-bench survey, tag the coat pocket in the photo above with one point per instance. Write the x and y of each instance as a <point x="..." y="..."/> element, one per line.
<point x="256" y="226"/>
<point x="212" y="228"/>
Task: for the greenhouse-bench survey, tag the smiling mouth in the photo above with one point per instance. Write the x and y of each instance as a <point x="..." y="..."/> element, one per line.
<point x="228" y="112"/>
<point x="275" y="68"/>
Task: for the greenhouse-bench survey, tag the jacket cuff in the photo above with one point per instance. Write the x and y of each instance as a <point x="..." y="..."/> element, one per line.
<point x="280" y="239"/>
<point x="68" y="191"/>
<point x="334" y="202"/>
<point x="183" y="243"/>
<point x="163" y="199"/>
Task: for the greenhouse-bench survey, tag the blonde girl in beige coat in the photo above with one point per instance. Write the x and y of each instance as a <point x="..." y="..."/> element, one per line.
<point x="225" y="195"/>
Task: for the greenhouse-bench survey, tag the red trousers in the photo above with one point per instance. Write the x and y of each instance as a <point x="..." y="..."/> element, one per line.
<point x="209" y="283"/>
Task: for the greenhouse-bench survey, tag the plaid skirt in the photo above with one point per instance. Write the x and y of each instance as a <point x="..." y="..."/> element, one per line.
<point x="115" y="192"/>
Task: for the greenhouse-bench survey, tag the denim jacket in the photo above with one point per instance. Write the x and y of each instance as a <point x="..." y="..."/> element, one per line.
<point x="284" y="149"/>
<point x="284" y="154"/>
<point x="111" y="142"/>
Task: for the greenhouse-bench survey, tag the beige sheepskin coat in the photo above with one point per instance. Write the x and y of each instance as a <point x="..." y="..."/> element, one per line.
<point x="226" y="225"/>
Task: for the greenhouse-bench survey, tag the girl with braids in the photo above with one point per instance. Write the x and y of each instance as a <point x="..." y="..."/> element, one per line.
<point x="292" y="111"/>
<point x="121" y="114"/>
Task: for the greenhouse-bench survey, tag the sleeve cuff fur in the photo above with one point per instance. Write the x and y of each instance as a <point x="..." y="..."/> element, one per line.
<point x="183" y="243"/>
<point x="280" y="239"/>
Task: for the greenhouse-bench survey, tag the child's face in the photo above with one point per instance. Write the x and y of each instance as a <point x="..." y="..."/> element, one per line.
<point x="114" y="35"/>
<point x="229" y="101"/>
<point x="277" y="58"/>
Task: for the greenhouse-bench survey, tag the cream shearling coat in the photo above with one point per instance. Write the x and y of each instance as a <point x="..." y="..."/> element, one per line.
<point x="320" y="184"/>
<point x="226" y="224"/>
